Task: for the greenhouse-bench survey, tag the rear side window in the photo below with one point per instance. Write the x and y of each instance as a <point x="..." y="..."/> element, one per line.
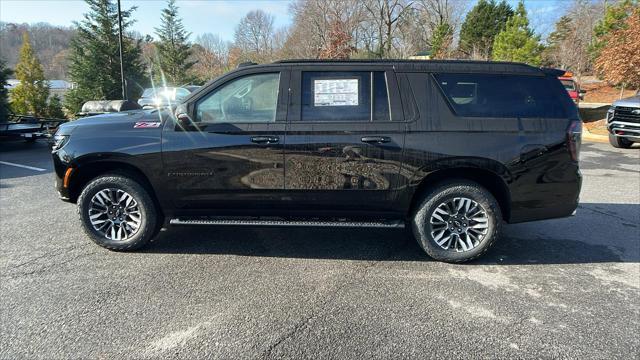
<point x="344" y="96"/>
<point x="488" y="95"/>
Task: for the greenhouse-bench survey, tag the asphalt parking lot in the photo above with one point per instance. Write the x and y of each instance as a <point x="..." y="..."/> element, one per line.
<point x="566" y="288"/>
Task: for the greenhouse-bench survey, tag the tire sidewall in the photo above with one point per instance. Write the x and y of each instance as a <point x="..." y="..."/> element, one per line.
<point x="422" y="226"/>
<point x="619" y="142"/>
<point x="140" y="195"/>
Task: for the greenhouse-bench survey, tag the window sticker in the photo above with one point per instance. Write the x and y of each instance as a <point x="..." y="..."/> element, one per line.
<point x="336" y="92"/>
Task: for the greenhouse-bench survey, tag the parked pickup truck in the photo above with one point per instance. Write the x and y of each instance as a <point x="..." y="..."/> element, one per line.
<point x="450" y="149"/>
<point x="623" y="122"/>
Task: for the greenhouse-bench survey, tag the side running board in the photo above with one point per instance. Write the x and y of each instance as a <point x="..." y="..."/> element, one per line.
<point x="252" y="222"/>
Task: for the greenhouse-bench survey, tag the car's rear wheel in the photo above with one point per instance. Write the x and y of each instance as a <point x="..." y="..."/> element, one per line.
<point x="619" y="142"/>
<point x="117" y="212"/>
<point x="457" y="221"/>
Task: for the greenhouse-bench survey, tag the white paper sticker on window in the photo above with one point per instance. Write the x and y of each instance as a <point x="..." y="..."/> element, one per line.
<point x="336" y="92"/>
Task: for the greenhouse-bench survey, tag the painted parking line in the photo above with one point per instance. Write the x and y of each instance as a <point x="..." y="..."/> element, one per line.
<point x="23" y="166"/>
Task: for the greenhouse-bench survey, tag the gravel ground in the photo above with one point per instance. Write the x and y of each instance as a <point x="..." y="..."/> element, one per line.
<point x="565" y="288"/>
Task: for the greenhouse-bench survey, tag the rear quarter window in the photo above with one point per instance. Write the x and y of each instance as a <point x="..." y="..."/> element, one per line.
<point x="493" y="95"/>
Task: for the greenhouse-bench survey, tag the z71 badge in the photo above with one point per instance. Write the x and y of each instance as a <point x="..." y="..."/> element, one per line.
<point x="146" y="124"/>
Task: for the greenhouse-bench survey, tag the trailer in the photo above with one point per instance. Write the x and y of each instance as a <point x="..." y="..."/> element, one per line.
<point x="29" y="128"/>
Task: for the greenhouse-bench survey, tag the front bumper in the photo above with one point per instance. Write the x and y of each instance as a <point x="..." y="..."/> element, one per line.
<point x="624" y="122"/>
<point x="60" y="167"/>
<point x="625" y="130"/>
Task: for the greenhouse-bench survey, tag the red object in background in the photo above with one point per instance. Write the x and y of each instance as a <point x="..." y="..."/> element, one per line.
<point x="571" y="86"/>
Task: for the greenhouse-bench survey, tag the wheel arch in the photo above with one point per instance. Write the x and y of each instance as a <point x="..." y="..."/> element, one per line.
<point x="488" y="179"/>
<point x="86" y="171"/>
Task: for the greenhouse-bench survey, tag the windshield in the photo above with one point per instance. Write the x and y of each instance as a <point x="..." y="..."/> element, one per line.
<point x="569" y="85"/>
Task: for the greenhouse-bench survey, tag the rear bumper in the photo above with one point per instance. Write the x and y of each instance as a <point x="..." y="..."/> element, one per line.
<point x="563" y="202"/>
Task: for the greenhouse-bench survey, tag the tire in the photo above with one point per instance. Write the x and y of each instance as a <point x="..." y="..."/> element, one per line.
<point x="120" y="236"/>
<point x="445" y="198"/>
<point x="618" y="142"/>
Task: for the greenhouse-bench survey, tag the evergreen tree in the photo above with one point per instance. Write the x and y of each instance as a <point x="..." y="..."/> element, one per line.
<point x="4" y="99"/>
<point x="173" y="46"/>
<point x="517" y="42"/>
<point x="481" y="26"/>
<point x="54" y="108"/>
<point x="441" y="41"/>
<point x="553" y="53"/>
<point x="30" y="96"/>
<point x="94" y="63"/>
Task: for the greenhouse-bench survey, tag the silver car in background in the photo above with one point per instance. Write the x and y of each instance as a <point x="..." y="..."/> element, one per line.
<point x="164" y="96"/>
<point x="623" y="122"/>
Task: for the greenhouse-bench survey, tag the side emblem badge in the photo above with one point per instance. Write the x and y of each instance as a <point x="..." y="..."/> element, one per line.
<point x="146" y="124"/>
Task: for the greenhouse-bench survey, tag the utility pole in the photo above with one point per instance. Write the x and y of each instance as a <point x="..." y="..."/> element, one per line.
<point x="124" y="88"/>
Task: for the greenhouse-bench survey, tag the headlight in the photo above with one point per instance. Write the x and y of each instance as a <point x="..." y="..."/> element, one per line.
<point x="59" y="141"/>
<point x="610" y="113"/>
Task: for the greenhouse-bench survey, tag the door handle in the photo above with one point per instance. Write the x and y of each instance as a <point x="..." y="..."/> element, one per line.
<point x="265" y="139"/>
<point x="375" y="139"/>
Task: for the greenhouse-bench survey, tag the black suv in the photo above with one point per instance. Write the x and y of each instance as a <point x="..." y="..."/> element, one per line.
<point x="450" y="148"/>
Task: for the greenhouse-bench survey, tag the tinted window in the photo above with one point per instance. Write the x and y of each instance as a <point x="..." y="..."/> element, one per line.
<point x="380" y="97"/>
<point x="251" y="98"/>
<point x="484" y="95"/>
<point x="344" y="96"/>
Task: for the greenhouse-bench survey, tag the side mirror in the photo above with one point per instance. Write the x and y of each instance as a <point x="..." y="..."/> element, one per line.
<point x="183" y="120"/>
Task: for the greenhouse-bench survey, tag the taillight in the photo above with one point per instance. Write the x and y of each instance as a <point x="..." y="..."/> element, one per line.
<point x="574" y="139"/>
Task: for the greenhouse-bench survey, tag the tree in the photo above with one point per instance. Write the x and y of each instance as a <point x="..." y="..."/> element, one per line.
<point x="441" y="41"/>
<point x="517" y="42"/>
<point x="385" y="17"/>
<point x="481" y="26"/>
<point x="568" y="44"/>
<point x="212" y="57"/>
<point x="94" y="64"/>
<point x="54" y="108"/>
<point x="254" y="36"/>
<point x="4" y="99"/>
<point x="339" y="46"/>
<point x="30" y="96"/>
<point x="614" y="19"/>
<point x="173" y="46"/>
<point x="619" y="59"/>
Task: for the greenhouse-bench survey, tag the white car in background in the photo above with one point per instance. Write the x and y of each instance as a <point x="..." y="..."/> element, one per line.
<point x="164" y="96"/>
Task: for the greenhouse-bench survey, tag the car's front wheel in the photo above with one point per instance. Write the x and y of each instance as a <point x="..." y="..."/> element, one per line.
<point x="457" y="221"/>
<point x="117" y="212"/>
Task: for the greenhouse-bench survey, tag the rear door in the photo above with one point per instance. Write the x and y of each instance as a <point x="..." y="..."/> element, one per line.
<point x="345" y="134"/>
<point x="229" y="155"/>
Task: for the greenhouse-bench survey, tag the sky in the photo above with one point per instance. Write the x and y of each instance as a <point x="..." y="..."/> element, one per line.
<point x="214" y="16"/>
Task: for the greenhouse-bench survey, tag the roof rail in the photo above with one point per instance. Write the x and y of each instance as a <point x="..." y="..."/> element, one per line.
<point x="247" y="63"/>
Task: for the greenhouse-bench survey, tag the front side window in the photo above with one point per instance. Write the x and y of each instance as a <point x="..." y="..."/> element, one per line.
<point x="344" y="96"/>
<point x="251" y="98"/>
<point x="493" y="95"/>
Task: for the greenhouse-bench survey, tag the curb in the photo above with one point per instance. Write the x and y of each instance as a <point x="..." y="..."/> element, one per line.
<point x="589" y="136"/>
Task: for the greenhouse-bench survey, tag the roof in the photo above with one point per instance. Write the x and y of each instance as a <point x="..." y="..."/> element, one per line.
<point x="425" y="65"/>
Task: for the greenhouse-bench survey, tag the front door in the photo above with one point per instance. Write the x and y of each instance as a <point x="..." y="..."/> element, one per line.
<point x="344" y="141"/>
<point x="229" y="155"/>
